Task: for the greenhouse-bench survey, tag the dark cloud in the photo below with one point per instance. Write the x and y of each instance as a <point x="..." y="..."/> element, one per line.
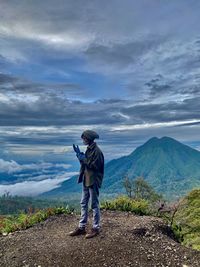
<point x="3" y="61"/>
<point x="7" y="79"/>
<point x="41" y="104"/>
<point x="158" y="86"/>
<point x="52" y="109"/>
<point x="111" y="101"/>
<point x="123" y="54"/>
<point x="166" y="112"/>
<point x="9" y="83"/>
<point x="161" y="87"/>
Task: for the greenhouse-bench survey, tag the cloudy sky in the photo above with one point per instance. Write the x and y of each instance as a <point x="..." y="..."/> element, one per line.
<point x="128" y="69"/>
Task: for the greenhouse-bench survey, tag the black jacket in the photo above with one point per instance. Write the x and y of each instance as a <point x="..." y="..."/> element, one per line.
<point x="92" y="168"/>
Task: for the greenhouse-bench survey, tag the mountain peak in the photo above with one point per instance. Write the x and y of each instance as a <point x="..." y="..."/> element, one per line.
<point x="167" y="138"/>
<point x="155" y="140"/>
<point x="163" y="162"/>
<point x="164" y="138"/>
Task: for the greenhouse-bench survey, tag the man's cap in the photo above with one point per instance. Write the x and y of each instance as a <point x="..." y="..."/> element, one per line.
<point x="89" y="134"/>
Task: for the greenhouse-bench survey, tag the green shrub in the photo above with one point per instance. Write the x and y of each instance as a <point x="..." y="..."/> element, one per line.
<point x="188" y="218"/>
<point x="125" y="203"/>
<point x="22" y="221"/>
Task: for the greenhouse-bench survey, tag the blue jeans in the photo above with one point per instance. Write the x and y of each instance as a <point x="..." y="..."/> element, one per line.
<point x="87" y="192"/>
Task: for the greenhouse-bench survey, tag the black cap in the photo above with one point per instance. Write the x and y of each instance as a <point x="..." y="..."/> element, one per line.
<point x="89" y="134"/>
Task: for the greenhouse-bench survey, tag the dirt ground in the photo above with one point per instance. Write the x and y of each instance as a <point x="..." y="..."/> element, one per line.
<point x="124" y="240"/>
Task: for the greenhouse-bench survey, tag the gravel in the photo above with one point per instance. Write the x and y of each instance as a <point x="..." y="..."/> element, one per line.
<point x="124" y="240"/>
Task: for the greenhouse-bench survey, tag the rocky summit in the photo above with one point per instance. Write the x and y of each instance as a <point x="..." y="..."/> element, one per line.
<point x="124" y="240"/>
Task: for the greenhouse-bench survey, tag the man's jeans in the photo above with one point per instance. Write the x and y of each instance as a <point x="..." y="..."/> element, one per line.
<point x="87" y="192"/>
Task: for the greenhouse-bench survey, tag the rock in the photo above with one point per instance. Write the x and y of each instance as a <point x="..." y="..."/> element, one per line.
<point x="128" y="241"/>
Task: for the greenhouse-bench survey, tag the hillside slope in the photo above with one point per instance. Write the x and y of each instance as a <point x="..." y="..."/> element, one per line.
<point x="124" y="240"/>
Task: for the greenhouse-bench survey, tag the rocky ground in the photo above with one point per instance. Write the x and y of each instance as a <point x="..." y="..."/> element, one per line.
<point x="124" y="240"/>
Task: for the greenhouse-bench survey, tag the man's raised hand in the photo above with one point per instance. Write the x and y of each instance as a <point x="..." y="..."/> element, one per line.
<point x="80" y="155"/>
<point x="76" y="149"/>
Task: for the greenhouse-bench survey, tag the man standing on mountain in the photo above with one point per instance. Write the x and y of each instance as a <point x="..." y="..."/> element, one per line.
<point x="91" y="175"/>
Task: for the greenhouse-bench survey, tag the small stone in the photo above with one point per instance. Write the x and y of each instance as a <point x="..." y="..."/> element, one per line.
<point x="148" y="257"/>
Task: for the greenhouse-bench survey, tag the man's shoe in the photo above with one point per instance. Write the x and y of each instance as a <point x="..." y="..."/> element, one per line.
<point x="78" y="231"/>
<point x="92" y="233"/>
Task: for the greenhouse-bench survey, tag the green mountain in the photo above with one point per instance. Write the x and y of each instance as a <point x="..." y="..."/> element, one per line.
<point x="171" y="167"/>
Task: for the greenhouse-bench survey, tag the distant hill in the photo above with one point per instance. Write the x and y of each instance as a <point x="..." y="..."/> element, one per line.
<point x="171" y="167"/>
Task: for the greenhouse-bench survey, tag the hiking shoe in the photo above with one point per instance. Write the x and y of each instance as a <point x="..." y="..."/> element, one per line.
<point x="78" y="231"/>
<point x="93" y="232"/>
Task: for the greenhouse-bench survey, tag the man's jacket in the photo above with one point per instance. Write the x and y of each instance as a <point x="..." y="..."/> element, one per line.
<point x="92" y="168"/>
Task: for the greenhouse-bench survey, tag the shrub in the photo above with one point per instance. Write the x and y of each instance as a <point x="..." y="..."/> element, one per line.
<point x="22" y="221"/>
<point x="125" y="203"/>
<point x="188" y="218"/>
<point x="138" y="188"/>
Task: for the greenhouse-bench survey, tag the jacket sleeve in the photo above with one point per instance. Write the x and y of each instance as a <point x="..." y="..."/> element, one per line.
<point x="95" y="161"/>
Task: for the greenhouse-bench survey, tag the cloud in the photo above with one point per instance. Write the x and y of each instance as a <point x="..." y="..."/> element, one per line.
<point x="128" y="69"/>
<point x="13" y="167"/>
<point x="125" y="44"/>
<point x="121" y="19"/>
<point x="34" y="188"/>
<point x="172" y="111"/>
<point x="66" y="26"/>
<point x="13" y="86"/>
<point x="122" y="55"/>
<point x="47" y="109"/>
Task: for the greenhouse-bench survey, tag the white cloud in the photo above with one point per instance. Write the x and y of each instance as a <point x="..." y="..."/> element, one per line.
<point x="151" y="125"/>
<point x="65" y="41"/>
<point x="13" y="167"/>
<point x="4" y="98"/>
<point x="34" y="188"/>
<point x="9" y="166"/>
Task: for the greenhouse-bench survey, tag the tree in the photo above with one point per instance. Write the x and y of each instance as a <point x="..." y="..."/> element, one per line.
<point x="138" y="188"/>
<point x="127" y="183"/>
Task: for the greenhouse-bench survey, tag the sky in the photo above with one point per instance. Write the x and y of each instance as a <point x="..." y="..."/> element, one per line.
<point x="129" y="70"/>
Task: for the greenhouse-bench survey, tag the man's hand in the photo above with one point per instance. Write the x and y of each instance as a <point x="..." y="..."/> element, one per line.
<point x="80" y="155"/>
<point x="76" y="149"/>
